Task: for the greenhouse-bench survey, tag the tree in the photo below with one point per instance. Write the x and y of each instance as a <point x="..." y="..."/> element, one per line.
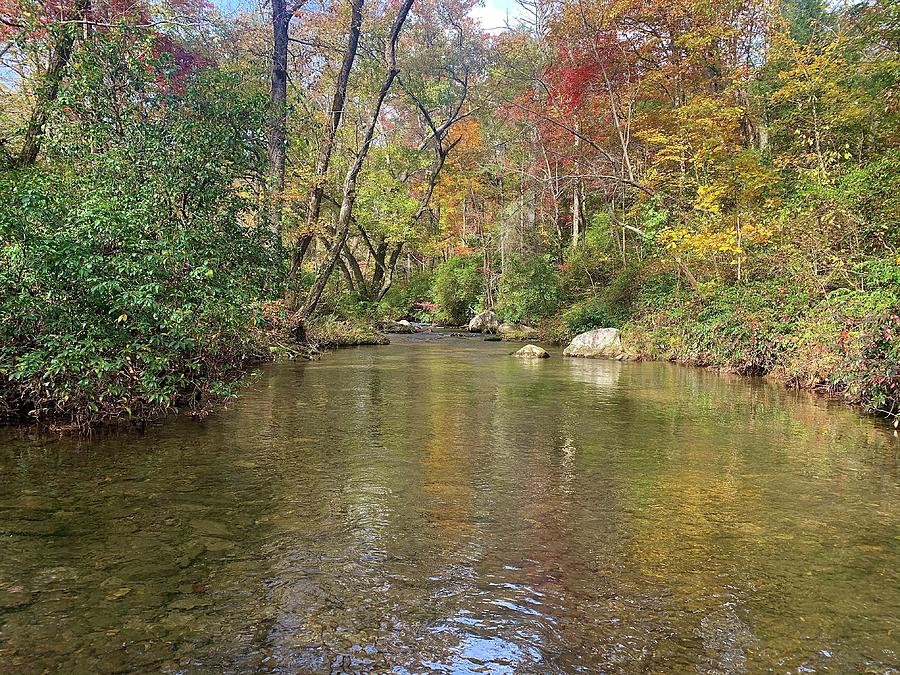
<point x="348" y="194"/>
<point x="326" y="145"/>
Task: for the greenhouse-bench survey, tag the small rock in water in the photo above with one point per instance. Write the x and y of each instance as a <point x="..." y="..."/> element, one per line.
<point x="532" y="352"/>
<point x="517" y="331"/>
<point x="189" y="553"/>
<point x="402" y="326"/>
<point x="13" y="597"/>
<point x="118" y="594"/>
<point x="211" y="528"/>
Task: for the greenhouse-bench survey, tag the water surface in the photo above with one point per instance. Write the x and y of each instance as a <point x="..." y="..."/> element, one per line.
<point x="437" y="506"/>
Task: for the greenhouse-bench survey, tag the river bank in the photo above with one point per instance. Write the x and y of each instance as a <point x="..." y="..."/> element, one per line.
<point x="842" y="345"/>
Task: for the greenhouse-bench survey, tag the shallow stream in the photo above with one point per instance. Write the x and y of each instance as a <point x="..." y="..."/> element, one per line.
<point x="438" y="506"/>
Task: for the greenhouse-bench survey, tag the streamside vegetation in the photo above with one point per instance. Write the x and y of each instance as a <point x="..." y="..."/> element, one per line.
<point x="184" y="193"/>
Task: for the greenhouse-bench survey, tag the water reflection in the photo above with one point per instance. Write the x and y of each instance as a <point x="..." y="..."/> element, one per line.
<point x="439" y="506"/>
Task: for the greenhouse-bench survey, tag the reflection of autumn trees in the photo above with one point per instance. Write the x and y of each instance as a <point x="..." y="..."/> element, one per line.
<point x="448" y="496"/>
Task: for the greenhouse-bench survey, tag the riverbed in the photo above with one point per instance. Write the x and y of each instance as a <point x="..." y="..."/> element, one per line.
<point x="436" y="505"/>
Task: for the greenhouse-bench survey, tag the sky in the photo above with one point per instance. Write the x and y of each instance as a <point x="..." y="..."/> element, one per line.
<point x="492" y="15"/>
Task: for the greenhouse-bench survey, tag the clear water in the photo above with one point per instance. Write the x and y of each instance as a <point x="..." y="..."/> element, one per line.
<point x="437" y="506"/>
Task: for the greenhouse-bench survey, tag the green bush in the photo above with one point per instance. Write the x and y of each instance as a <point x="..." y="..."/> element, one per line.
<point x="128" y="285"/>
<point x="744" y="328"/>
<point x="871" y="193"/>
<point x="529" y="290"/>
<point x="590" y="314"/>
<point x="327" y="331"/>
<point x="590" y="266"/>
<point x="848" y="342"/>
<point x="458" y="289"/>
<point x="409" y="299"/>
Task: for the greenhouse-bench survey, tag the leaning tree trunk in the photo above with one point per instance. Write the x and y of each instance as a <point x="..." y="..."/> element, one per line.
<point x="348" y="198"/>
<point x="388" y="279"/>
<point x="48" y="90"/>
<point x="326" y="149"/>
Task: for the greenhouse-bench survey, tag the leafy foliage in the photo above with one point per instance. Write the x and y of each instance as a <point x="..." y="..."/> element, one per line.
<point x="458" y="289"/>
<point x="410" y="299"/>
<point x="129" y="283"/>
<point x="529" y="290"/>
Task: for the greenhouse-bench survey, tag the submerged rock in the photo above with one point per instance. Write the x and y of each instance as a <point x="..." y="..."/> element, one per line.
<point x="516" y="330"/>
<point x="602" y="342"/>
<point x="532" y="352"/>
<point x="486" y="322"/>
<point x="212" y="528"/>
<point x="15" y="596"/>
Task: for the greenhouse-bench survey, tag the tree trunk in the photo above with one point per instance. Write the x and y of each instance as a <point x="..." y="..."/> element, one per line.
<point x="281" y="20"/>
<point x="47" y="92"/>
<point x="577" y="211"/>
<point x="359" y="279"/>
<point x="349" y="192"/>
<point x="379" y="256"/>
<point x="326" y="149"/>
<point x="389" y="276"/>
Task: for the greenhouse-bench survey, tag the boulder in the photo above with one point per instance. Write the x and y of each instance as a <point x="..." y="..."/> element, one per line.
<point x="516" y="330"/>
<point x="486" y="322"/>
<point x="596" y="343"/>
<point x="400" y="327"/>
<point x="531" y="352"/>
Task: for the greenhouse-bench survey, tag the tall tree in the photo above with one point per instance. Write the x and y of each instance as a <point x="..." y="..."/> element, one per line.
<point x="281" y="24"/>
<point x="326" y="145"/>
<point x="62" y="34"/>
<point x="348" y="193"/>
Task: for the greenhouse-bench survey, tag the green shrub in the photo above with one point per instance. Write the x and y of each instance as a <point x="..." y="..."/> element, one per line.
<point x="529" y="290"/>
<point x="331" y="330"/>
<point x="458" y="289"/>
<point x="744" y="328"/>
<point x="128" y="285"/>
<point x="591" y="265"/>
<point x="590" y="314"/>
<point x="409" y="299"/>
<point x="848" y="342"/>
<point x="871" y="193"/>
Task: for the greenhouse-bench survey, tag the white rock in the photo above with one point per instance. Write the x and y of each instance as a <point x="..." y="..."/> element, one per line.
<point x="532" y="352"/>
<point x="486" y="322"/>
<point x="596" y="343"/>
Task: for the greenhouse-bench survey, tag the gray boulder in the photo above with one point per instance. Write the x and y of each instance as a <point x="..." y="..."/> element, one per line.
<point x="399" y="327"/>
<point x="486" y="322"/>
<point x="531" y="352"/>
<point x="596" y="343"/>
<point x="516" y="330"/>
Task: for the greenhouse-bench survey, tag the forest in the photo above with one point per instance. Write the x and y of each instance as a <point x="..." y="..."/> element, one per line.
<point x="186" y="192"/>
